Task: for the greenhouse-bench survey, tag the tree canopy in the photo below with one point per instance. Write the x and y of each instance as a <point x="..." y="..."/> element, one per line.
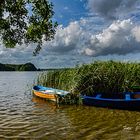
<point x="26" y="21"/>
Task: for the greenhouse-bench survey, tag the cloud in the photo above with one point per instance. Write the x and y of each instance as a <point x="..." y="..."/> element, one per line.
<point x="80" y="38"/>
<point x="136" y="33"/>
<point x="121" y="37"/>
<point x="112" y="9"/>
<point x="66" y="39"/>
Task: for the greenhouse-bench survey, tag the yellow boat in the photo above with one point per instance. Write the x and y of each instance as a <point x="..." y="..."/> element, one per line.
<point x="49" y="93"/>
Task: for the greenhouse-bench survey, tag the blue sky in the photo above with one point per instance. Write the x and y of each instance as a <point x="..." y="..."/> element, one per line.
<point x="88" y="30"/>
<point x="69" y="10"/>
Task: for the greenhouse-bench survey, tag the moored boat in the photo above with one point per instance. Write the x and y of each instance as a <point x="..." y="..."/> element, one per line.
<point x="49" y="93"/>
<point x="126" y="100"/>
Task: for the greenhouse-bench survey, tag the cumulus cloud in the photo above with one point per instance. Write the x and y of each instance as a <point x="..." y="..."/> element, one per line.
<point x="136" y="33"/>
<point x="66" y="39"/>
<point x="111" y="9"/>
<point x="121" y="37"/>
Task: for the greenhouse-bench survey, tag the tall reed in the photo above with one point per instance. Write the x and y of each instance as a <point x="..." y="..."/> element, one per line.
<point x="106" y="77"/>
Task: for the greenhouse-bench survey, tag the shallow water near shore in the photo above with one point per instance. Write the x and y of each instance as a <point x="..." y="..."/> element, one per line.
<point x="23" y="116"/>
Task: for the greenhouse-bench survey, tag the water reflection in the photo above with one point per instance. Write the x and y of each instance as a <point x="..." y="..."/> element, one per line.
<point x="44" y="104"/>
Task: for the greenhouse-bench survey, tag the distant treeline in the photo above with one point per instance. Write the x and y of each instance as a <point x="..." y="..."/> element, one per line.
<point x="54" y="69"/>
<point x="20" y="67"/>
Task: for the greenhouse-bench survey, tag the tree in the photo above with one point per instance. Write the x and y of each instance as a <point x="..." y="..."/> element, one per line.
<point x="26" y="21"/>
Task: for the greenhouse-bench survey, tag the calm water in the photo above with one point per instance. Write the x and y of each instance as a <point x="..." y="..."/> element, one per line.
<point x="23" y="116"/>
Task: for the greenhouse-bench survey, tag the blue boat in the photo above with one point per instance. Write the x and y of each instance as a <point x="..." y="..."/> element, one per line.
<point x="127" y="100"/>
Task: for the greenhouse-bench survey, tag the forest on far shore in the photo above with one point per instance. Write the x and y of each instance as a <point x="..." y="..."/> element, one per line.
<point x="15" y="67"/>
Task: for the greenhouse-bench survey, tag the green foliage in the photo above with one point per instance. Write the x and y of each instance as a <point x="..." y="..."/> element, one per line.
<point x="27" y="67"/>
<point x="106" y="77"/>
<point x="24" y="24"/>
<point x="22" y="67"/>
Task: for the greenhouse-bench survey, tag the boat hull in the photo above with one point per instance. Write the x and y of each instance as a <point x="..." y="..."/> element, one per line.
<point x="133" y="104"/>
<point x="39" y="94"/>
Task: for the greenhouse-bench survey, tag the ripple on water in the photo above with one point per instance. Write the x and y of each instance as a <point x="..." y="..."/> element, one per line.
<point x="23" y="116"/>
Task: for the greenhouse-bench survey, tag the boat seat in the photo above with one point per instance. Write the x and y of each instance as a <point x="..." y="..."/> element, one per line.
<point x="98" y="95"/>
<point x="127" y="97"/>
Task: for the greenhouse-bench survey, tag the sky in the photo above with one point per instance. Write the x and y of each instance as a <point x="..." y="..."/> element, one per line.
<point x="88" y="30"/>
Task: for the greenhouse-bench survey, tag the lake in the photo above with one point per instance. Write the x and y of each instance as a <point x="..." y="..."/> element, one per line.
<point x="23" y="116"/>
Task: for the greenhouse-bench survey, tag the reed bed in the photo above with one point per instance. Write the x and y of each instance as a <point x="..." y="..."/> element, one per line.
<point x="107" y="77"/>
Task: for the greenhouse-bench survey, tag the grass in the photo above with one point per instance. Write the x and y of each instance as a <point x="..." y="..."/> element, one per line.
<point x="107" y="77"/>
